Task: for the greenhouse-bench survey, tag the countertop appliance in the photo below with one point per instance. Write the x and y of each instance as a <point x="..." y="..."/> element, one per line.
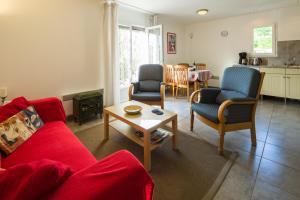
<point x="243" y="58"/>
<point x="257" y="61"/>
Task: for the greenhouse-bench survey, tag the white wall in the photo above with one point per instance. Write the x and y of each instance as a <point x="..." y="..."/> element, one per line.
<point x="169" y="25"/>
<point x="129" y="17"/>
<point x="49" y="47"/>
<point x="218" y="52"/>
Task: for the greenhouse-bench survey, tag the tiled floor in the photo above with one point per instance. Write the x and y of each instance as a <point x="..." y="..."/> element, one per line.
<point x="269" y="171"/>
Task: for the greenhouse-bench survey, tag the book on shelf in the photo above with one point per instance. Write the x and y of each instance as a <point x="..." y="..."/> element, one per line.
<point x="157" y="136"/>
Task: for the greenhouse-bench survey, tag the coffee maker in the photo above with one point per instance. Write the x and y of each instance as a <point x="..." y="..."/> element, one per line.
<point x="243" y="58"/>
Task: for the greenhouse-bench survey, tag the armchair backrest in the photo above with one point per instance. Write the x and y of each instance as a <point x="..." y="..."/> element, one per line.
<point x="150" y="77"/>
<point x="242" y="79"/>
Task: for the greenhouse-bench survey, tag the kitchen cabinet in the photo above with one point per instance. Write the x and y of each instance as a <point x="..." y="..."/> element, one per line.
<point x="274" y="82"/>
<point x="281" y="82"/>
<point x="293" y="83"/>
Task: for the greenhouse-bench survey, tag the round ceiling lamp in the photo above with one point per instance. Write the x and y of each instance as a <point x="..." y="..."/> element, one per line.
<point x="202" y="12"/>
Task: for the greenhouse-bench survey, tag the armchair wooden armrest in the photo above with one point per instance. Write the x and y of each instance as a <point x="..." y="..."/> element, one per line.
<point x="193" y="95"/>
<point x="228" y="103"/>
<point x="130" y="91"/>
<point x="162" y="93"/>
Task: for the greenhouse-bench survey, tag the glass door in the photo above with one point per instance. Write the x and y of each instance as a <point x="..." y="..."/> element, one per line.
<point x="155" y="44"/>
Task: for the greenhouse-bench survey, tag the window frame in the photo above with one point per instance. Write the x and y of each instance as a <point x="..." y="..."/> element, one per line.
<point x="274" y="41"/>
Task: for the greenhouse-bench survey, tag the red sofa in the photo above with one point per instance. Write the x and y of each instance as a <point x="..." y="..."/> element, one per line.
<point x="118" y="176"/>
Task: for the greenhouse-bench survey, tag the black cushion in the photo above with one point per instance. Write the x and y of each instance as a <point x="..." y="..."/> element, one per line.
<point x="146" y="96"/>
<point x="152" y="72"/>
<point x="209" y="95"/>
<point x="241" y="79"/>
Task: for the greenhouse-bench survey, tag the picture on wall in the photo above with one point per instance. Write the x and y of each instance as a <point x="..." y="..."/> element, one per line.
<point x="171" y="43"/>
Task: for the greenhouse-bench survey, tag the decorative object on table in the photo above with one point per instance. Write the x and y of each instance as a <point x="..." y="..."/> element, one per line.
<point x="171" y="43"/>
<point x="243" y="58"/>
<point x="150" y="88"/>
<point x="157" y="111"/>
<point x="3" y="94"/>
<point x="87" y="106"/>
<point x="233" y="106"/>
<point x="224" y="33"/>
<point x="133" y="109"/>
<point x="157" y="136"/>
<point x="200" y="66"/>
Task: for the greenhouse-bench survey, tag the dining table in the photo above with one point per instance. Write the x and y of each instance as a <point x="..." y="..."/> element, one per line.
<point x="199" y="76"/>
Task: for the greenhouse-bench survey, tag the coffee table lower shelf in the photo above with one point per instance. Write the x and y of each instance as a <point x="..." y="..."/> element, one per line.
<point x="129" y="132"/>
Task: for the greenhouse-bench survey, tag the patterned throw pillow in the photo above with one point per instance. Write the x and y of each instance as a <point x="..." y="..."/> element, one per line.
<point x="18" y="128"/>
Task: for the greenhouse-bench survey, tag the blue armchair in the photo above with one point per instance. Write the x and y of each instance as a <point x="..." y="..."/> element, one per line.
<point x="231" y="107"/>
<point x="150" y="88"/>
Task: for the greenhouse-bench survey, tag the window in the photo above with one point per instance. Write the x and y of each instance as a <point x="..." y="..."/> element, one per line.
<point x="137" y="46"/>
<point x="124" y="55"/>
<point x="139" y="51"/>
<point x="264" y="42"/>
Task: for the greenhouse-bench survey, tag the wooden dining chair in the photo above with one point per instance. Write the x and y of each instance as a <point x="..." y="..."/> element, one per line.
<point x="182" y="79"/>
<point x="184" y="64"/>
<point x="201" y="66"/>
<point x="169" y="77"/>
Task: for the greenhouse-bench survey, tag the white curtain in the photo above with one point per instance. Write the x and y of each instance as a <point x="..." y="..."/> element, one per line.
<point x="109" y="48"/>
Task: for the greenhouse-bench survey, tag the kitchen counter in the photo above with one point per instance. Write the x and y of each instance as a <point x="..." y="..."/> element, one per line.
<point x="274" y="66"/>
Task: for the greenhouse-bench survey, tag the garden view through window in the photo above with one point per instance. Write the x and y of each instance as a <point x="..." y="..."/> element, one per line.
<point x="263" y="40"/>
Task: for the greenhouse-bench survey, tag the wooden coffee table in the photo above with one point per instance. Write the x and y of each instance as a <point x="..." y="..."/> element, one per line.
<point x="145" y="122"/>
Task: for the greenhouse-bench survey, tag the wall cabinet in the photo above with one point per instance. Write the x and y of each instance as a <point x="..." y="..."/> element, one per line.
<point x="281" y="82"/>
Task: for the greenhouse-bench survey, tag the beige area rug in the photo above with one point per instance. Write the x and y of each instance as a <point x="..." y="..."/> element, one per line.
<point x="193" y="172"/>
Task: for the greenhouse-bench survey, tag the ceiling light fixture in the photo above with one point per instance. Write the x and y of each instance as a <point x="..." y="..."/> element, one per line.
<point x="202" y="12"/>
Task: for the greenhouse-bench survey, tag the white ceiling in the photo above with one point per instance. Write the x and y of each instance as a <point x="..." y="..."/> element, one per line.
<point x="185" y="10"/>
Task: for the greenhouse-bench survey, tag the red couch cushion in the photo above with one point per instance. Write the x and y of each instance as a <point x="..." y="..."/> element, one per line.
<point x="53" y="141"/>
<point x="118" y="176"/>
<point x="12" y="108"/>
<point x="32" y="180"/>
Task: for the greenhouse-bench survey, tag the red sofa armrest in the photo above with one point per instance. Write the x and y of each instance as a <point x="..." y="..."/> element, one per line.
<point x="49" y="109"/>
<point x="118" y="176"/>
